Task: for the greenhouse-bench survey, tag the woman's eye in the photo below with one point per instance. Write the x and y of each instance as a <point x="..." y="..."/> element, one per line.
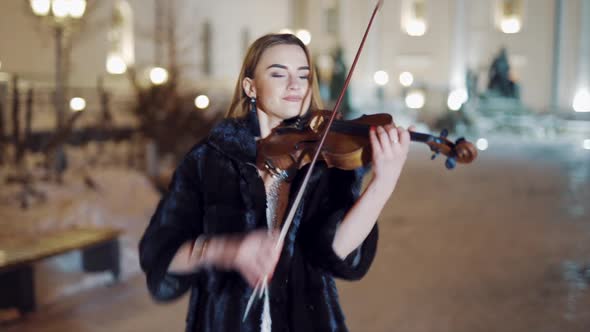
<point x="305" y="77"/>
<point x="277" y="75"/>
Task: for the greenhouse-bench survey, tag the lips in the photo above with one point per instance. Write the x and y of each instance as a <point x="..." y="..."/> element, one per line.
<point x="293" y="98"/>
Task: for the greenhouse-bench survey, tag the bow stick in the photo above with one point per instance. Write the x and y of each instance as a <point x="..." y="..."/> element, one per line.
<point x="261" y="287"/>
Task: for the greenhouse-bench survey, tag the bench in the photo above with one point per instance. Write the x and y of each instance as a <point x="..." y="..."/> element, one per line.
<point x="100" y="252"/>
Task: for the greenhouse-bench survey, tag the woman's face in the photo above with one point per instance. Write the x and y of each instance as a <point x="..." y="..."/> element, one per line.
<point x="281" y="82"/>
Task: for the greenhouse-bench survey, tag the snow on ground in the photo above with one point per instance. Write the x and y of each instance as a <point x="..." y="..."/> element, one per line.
<point x="121" y="198"/>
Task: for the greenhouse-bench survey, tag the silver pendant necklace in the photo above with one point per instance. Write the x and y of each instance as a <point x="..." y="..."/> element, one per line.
<point x="273" y="202"/>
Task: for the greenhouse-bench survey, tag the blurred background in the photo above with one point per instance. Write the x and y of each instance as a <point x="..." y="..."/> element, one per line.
<point x="99" y="100"/>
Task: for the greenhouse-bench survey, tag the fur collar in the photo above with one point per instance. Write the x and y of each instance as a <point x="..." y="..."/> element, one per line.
<point x="236" y="138"/>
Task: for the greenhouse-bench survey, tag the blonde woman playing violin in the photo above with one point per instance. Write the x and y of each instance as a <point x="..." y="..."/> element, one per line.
<point x="215" y="231"/>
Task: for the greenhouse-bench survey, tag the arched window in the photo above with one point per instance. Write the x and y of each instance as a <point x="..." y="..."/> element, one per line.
<point x="121" y="45"/>
<point x="413" y="19"/>
<point x="508" y="15"/>
<point x="331" y="13"/>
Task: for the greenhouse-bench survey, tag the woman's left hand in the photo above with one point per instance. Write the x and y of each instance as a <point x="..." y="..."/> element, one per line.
<point x="390" y="149"/>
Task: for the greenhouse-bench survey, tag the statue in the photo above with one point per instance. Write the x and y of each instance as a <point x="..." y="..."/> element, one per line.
<point x="337" y="83"/>
<point x="471" y="79"/>
<point x="500" y="82"/>
<point x="502" y="96"/>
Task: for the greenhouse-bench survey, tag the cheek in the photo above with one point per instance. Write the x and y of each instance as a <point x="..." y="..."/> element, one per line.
<point x="307" y="101"/>
<point x="268" y="98"/>
<point x="271" y="94"/>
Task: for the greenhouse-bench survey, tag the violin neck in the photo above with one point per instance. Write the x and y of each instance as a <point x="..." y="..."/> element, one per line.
<point x="420" y="137"/>
<point x="363" y="130"/>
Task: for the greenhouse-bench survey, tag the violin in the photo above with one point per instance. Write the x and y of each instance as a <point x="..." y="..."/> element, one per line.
<point x="292" y="145"/>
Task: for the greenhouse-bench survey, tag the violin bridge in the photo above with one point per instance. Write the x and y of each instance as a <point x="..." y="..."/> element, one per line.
<point x="316" y="123"/>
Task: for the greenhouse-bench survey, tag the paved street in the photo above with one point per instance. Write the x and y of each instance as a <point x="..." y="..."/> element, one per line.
<point x="499" y="245"/>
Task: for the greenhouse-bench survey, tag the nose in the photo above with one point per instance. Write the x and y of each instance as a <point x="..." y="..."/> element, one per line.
<point x="293" y="83"/>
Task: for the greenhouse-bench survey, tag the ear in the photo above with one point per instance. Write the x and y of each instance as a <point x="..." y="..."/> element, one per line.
<point x="249" y="88"/>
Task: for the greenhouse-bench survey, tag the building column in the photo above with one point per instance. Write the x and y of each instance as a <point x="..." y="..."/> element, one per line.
<point x="557" y="47"/>
<point x="584" y="50"/>
<point x="581" y="102"/>
<point x="458" y="50"/>
<point x="458" y="93"/>
<point x="299" y="10"/>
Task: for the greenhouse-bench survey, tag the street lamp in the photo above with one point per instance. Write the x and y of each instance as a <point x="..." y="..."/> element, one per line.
<point x="415" y="99"/>
<point x="304" y="35"/>
<point x="60" y="15"/>
<point x="202" y="102"/>
<point x="406" y="78"/>
<point x="456" y="99"/>
<point x="158" y="75"/>
<point x="77" y="104"/>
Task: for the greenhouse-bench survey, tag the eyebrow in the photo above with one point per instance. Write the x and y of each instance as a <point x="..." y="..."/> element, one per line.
<point x="275" y="65"/>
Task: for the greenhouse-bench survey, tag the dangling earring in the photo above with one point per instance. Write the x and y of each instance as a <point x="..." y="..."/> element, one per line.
<point x="253" y="118"/>
<point x="253" y="105"/>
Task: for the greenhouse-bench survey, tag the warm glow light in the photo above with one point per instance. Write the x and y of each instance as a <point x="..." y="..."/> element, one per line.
<point x="415" y="99"/>
<point x="285" y="30"/>
<point x="482" y="144"/>
<point x="510" y="24"/>
<point x="60" y="8"/>
<point x="202" y="102"/>
<point x="582" y="101"/>
<point x="77" y="104"/>
<point x="115" y="64"/>
<point x="416" y="27"/>
<point x="158" y="75"/>
<point x="77" y="8"/>
<point x="304" y="35"/>
<point x="456" y="99"/>
<point x="586" y="144"/>
<point x="406" y="78"/>
<point x="381" y="77"/>
<point x="40" y="7"/>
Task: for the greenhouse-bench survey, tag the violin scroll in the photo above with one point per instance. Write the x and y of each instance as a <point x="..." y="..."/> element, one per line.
<point x="461" y="151"/>
<point x="465" y="151"/>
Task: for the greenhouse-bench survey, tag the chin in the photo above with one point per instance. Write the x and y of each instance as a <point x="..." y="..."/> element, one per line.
<point x="291" y="113"/>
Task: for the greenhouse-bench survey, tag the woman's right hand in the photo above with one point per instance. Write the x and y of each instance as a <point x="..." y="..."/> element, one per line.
<point x="256" y="256"/>
<point x="252" y="254"/>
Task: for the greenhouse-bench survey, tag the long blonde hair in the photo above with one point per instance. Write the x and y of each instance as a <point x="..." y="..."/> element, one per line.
<point x="240" y="103"/>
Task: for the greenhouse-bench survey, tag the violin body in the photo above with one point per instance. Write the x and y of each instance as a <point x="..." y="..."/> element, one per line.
<point x="347" y="146"/>
<point x="292" y="146"/>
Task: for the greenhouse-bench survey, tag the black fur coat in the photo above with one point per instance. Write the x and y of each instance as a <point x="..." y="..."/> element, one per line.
<point x="217" y="190"/>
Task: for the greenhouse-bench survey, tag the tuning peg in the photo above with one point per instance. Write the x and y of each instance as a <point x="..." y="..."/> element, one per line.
<point x="460" y="140"/>
<point x="434" y="155"/>
<point x="450" y="163"/>
<point x="444" y="133"/>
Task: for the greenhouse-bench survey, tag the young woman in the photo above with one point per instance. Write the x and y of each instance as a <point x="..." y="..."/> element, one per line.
<point x="214" y="232"/>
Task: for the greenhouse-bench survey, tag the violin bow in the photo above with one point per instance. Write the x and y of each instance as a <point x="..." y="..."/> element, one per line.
<point x="261" y="287"/>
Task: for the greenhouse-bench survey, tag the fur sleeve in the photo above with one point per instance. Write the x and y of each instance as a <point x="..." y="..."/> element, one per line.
<point x="175" y="221"/>
<point x="336" y="193"/>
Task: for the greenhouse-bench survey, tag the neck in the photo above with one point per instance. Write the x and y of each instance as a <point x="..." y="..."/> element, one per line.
<point x="267" y="123"/>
